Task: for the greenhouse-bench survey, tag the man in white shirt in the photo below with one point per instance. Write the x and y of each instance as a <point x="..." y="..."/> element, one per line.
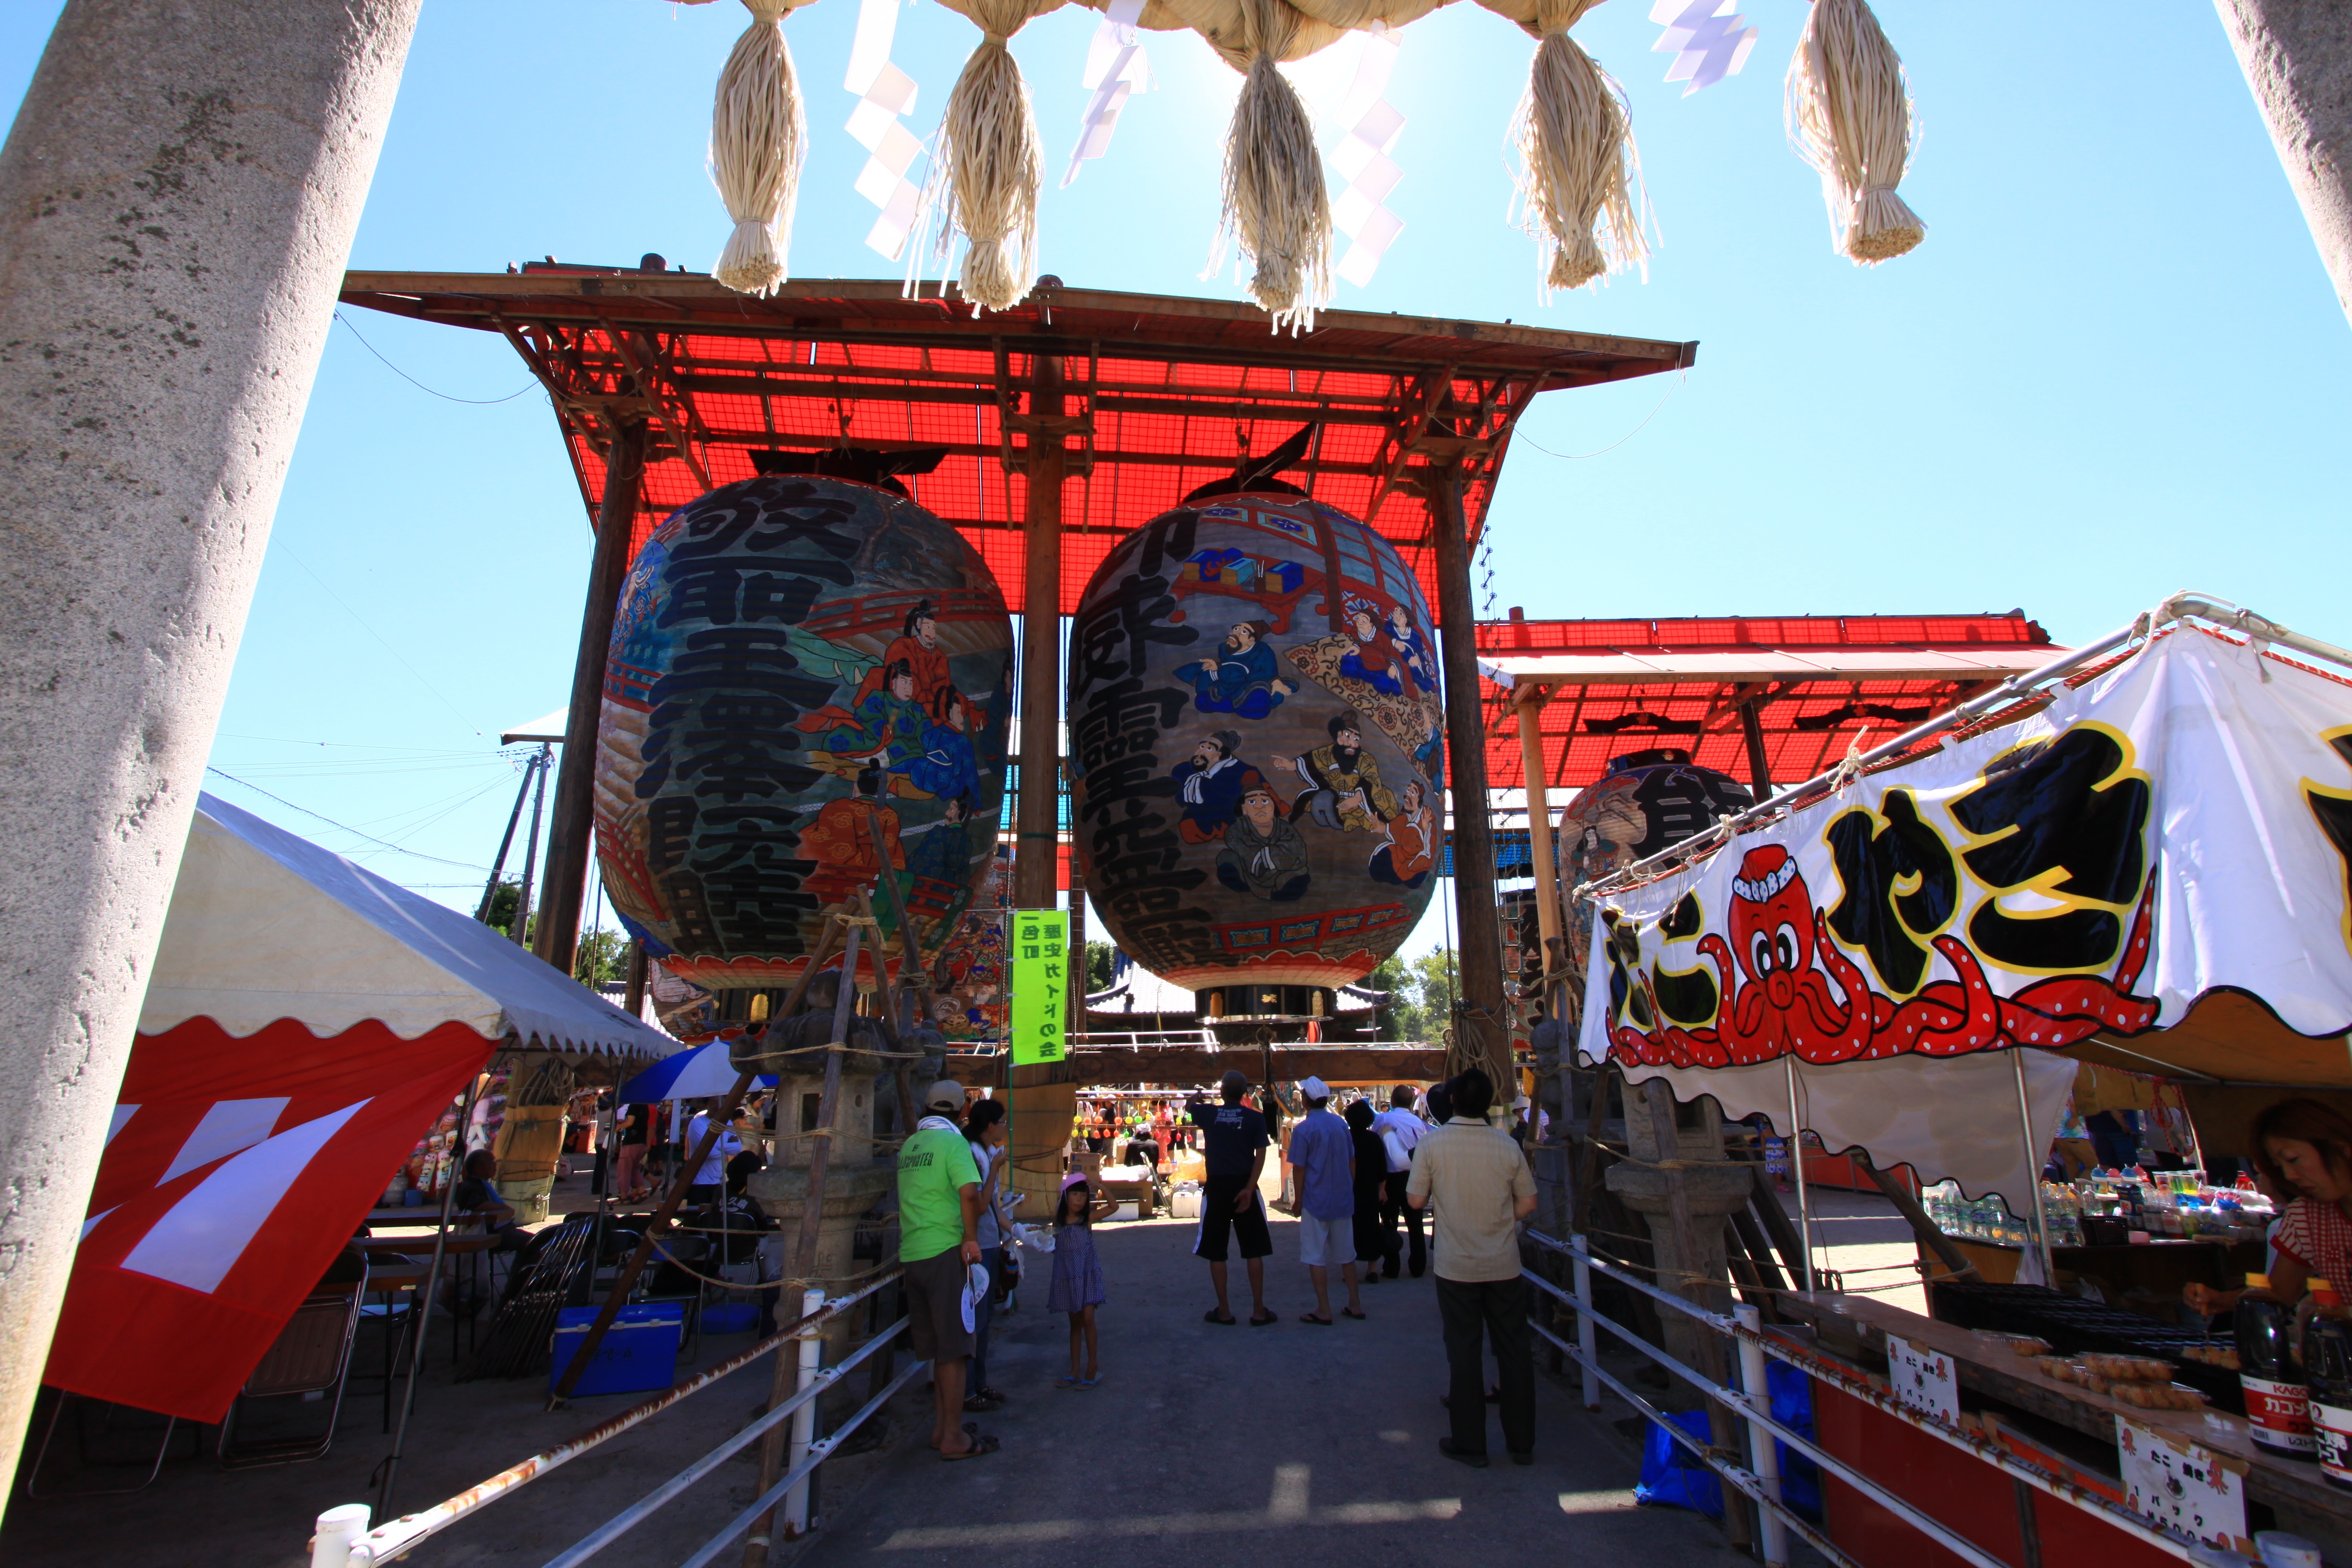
<point x="710" y="1180"/>
<point x="1400" y="1132"/>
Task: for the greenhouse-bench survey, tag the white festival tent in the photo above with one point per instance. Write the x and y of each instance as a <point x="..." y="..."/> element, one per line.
<point x="2155" y="825"/>
<point x="266" y="926"/>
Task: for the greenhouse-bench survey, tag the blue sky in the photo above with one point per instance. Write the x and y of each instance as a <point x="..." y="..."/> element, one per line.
<point x="2114" y="370"/>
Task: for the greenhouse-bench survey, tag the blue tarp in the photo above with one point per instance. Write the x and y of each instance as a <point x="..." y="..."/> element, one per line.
<point x="1673" y="1477"/>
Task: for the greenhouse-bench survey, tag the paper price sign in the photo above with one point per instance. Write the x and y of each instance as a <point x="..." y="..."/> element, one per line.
<point x="1924" y="1380"/>
<point x="2183" y="1486"/>
<point x="1037" y="953"/>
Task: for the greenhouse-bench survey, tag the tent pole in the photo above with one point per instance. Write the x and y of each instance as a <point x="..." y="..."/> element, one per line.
<point x="2033" y="1158"/>
<point x="1796" y="1164"/>
<point x="531" y="850"/>
<point x="490" y="888"/>
<point x="424" y="1306"/>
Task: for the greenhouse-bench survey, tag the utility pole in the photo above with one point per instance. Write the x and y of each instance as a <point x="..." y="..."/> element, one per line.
<point x="177" y="199"/>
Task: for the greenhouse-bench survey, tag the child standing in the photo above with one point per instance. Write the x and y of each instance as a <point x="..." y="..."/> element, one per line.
<point x="1078" y="1287"/>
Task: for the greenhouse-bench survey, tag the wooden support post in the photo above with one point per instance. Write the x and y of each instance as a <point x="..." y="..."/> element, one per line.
<point x="1479" y="1022"/>
<point x="1931" y="1235"/>
<point x="1037" y="814"/>
<point x="804" y="1245"/>
<point x="633" y="1001"/>
<point x="1759" y="766"/>
<point x="1723" y="1432"/>
<point x="1549" y="909"/>
<point x="1077" y="1010"/>
<point x="1765" y="1205"/>
<point x="573" y="833"/>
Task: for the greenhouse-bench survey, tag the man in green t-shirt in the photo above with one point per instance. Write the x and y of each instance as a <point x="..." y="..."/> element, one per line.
<point x="938" y="1240"/>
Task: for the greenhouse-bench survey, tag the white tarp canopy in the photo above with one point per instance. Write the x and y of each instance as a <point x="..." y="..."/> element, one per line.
<point x="263" y="925"/>
<point x="2176" y="824"/>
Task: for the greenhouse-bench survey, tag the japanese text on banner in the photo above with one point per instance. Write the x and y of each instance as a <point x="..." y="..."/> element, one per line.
<point x="1039" y="960"/>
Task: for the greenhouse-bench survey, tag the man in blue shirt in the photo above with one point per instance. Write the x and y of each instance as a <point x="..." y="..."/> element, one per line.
<point x="1324" y="1153"/>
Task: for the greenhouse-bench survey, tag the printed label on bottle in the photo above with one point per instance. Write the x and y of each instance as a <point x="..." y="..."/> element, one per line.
<point x="2280" y="1413"/>
<point x="2331" y="1429"/>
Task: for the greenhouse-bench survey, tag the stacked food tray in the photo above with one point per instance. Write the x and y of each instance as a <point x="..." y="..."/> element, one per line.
<point x="2071" y="1326"/>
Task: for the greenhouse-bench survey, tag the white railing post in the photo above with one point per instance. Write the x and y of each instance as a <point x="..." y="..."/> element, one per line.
<point x="805" y="1418"/>
<point x="330" y="1540"/>
<point x="1588" y="1339"/>
<point x="1764" y="1457"/>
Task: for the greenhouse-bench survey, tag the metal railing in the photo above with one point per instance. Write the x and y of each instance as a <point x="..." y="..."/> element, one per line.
<point x="338" y="1543"/>
<point x="1751" y="1404"/>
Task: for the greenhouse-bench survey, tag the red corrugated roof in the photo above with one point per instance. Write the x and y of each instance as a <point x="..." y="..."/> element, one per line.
<point x="1168" y="393"/>
<point x="1807" y="724"/>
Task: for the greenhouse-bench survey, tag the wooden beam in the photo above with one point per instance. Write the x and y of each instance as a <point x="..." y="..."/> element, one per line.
<point x="573" y="833"/>
<point x="1178" y="1065"/>
<point x="1480" y="1024"/>
<point x="1038" y="809"/>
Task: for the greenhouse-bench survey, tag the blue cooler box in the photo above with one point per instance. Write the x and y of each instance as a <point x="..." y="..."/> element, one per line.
<point x="639" y="1352"/>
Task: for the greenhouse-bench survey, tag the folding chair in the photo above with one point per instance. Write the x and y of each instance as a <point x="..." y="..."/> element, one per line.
<point x="93" y="1460"/>
<point x="311" y="1356"/>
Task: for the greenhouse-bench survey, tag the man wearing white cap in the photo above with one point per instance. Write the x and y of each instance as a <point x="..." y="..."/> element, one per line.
<point x="939" y="1240"/>
<point x="1324" y="1152"/>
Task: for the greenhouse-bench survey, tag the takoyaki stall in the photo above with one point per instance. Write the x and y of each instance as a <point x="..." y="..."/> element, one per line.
<point x="2135" y="854"/>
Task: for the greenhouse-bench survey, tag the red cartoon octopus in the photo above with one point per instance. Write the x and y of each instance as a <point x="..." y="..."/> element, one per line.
<point x="1776" y="1001"/>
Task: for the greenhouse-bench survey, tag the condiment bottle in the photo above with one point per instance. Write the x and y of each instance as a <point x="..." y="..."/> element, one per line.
<point x="2328" y="1362"/>
<point x="2278" y="1405"/>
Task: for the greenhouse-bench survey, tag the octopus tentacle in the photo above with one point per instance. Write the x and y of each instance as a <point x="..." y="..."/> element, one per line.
<point x="1976" y="1028"/>
<point x="1740" y="1022"/>
<point x="1848" y="1037"/>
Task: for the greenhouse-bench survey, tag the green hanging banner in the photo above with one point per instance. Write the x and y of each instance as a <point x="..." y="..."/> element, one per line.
<point x="1041" y="985"/>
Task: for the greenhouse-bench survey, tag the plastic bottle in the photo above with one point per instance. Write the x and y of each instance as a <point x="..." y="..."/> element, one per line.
<point x="2278" y="1405"/>
<point x="2327" y="1363"/>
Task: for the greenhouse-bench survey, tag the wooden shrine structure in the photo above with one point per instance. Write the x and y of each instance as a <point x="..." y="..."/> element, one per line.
<point x="1066" y="421"/>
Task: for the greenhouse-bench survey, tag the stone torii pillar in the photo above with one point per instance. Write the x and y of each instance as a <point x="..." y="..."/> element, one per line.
<point x="177" y="199"/>
<point x="2297" y="57"/>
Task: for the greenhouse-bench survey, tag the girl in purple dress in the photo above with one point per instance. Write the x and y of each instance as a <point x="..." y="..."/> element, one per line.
<point x="1078" y="1286"/>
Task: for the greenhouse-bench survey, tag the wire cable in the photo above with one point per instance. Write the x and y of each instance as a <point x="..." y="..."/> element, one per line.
<point x="478" y="402"/>
<point x="1636" y="430"/>
<point x="341" y="827"/>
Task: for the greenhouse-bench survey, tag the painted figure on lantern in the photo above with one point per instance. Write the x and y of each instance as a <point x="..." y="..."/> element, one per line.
<point x="1257" y="743"/>
<point x="805" y="693"/>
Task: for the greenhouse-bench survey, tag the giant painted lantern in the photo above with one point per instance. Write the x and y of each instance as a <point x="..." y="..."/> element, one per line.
<point x="1645" y="802"/>
<point x="1256" y="744"/>
<point x="808" y="682"/>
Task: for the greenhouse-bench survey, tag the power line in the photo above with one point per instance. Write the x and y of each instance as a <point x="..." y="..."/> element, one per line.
<point x="478" y="402"/>
<point x="354" y="832"/>
<point x="378" y="635"/>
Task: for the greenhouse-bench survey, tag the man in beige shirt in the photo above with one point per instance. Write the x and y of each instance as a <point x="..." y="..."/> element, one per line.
<point x="1478" y="1178"/>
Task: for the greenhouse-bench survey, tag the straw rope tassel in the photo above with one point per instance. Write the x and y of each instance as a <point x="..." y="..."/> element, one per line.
<point x="1277" y="208"/>
<point x="1848" y="115"/>
<point x="758" y="135"/>
<point x="1580" y="175"/>
<point x="991" y="165"/>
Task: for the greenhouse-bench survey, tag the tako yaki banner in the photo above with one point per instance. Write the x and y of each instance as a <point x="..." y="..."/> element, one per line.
<point x="2179" y="824"/>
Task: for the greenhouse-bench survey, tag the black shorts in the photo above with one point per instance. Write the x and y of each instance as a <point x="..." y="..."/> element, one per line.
<point x="1217" y="1218"/>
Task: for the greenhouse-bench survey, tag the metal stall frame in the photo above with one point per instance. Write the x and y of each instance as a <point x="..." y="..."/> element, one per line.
<point x="1759" y="1479"/>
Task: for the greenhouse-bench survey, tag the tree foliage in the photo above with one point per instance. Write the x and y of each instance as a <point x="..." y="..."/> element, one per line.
<point x="1420" y="995"/>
